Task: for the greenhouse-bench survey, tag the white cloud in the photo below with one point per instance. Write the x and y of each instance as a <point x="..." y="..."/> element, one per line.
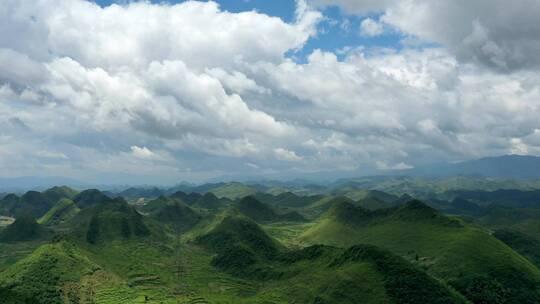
<point x="51" y="154"/>
<point x="142" y="152"/>
<point x="493" y="33"/>
<point x="385" y="167"/>
<point x="287" y="155"/>
<point x="363" y="7"/>
<point x="190" y="91"/>
<point x="371" y="28"/>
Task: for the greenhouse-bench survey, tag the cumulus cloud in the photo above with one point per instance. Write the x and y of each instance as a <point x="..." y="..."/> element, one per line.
<point x="371" y="28"/>
<point x="287" y="155"/>
<point x="142" y="152"/>
<point x="189" y="91"/>
<point x="489" y="32"/>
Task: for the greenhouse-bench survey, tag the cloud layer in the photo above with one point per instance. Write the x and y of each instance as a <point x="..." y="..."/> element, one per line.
<point x="159" y="93"/>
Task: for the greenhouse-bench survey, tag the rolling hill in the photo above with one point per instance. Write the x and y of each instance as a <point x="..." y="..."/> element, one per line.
<point x="447" y="248"/>
<point x="25" y="228"/>
<point x="64" y="210"/>
<point x="110" y="220"/>
<point x="319" y="274"/>
<point x="171" y="211"/>
<point x="260" y="212"/>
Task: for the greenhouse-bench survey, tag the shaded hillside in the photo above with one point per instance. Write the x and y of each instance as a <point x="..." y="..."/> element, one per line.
<point x="465" y="207"/>
<point x="447" y="248"/>
<point x="240" y="244"/>
<point x="114" y="219"/>
<point x="133" y="192"/>
<point x="91" y="197"/>
<point x="211" y="202"/>
<point x="509" y="198"/>
<point x="171" y="211"/>
<point x="60" y="213"/>
<point x="25" y="228"/>
<point x="8" y="204"/>
<point x="260" y="212"/>
<point x="373" y="203"/>
<point x="188" y="198"/>
<point x="287" y="199"/>
<point x="32" y="202"/>
<point x="526" y="245"/>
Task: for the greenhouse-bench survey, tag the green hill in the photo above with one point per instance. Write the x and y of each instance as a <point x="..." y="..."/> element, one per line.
<point x="188" y="198"/>
<point x="32" y="202"/>
<point x="25" y="228"/>
<point x="54" y="273"/>
<point x="8" y="204"/>
<point x="111" y="220"/>
<point x="326" y="203"/>
<point x="448" y="249"/>
<point x="526" y="245"/>
<point x="57" y="193"/>
<point x="91" y="197"/>
<point x="251" y="207"/>
<point x="61" y="213"/>
<point x="172" y="211"/>
<point x="232" y="190"/>
<point x="319" y="274"/>
<point x="210" y="201"/>
<point x="287" y="199"/>
<point x="255" y="210"/>
<point x="373" y="203"/>
<point x="240" y="244"/>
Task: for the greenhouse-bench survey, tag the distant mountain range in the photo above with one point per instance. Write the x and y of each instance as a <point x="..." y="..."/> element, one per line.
<point x="507" y="166"/>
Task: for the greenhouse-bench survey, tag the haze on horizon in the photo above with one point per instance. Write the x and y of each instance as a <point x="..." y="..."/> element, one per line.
<point x="144" y="92"/>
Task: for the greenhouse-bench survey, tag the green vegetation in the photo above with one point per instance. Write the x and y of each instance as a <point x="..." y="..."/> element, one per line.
<point x="526" y="245"/>
<point x="51" y="274"/>
<point x="260" y="212"/>
<point x="61" y="213"/>
<point x="232" y="191"/>
<point x="89" y="198"/>
<point x="171" y="211"/>
<point x="32" y="202"/>
<point x="111" y="220"/>
<point x="361" y="246"/>
<point x="445" y="247"/>
<point x="25" y="228"/>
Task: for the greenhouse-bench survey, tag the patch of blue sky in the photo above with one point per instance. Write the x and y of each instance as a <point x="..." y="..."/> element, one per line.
<point x="337" y="33"/>
<point x="284" y="9"/>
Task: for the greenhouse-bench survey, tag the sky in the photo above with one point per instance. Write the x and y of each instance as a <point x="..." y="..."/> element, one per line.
<point x="157" y="92"/>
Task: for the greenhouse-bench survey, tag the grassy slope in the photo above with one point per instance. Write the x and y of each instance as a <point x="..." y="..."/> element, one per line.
<point x="25" y="228"/>
<point x="312" y="275"/>
<point x="526" y="245"/>
<point x="233" y="191"/>
<point x="447" y="251"/>
<point x="63" y="211"/>
<point x="50" y="274"/>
